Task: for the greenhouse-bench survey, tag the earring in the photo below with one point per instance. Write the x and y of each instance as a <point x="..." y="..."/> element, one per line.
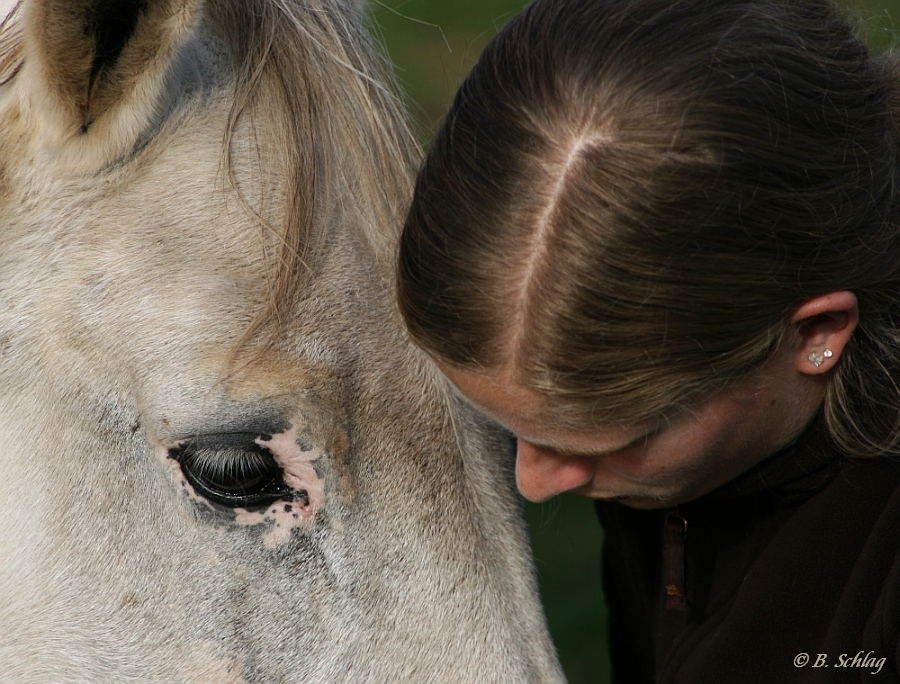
<point x="817" y="360"/>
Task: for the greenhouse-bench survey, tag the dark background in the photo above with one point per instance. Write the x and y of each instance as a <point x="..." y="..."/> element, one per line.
<point x="433" y="44"/>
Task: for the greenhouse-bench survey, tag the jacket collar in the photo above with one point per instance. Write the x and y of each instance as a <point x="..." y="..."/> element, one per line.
<point x="796" y="472"/>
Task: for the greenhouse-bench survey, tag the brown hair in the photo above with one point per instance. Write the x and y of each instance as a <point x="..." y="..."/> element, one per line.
<point x="628" y="198"/>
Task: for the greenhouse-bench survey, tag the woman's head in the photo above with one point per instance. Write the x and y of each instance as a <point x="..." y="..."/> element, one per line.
<point x="629" y="199"/>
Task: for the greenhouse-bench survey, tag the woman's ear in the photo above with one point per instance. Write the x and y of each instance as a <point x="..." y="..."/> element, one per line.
<point x="825" y="324"/>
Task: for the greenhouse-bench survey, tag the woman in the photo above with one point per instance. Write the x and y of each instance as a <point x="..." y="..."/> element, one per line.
<point x="657" y="240"/>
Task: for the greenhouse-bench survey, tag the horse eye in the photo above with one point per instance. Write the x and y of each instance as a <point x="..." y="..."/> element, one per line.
<point x="237" y="475"/>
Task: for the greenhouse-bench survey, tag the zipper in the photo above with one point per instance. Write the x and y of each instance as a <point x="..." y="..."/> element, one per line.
<point x="674" y="535"/>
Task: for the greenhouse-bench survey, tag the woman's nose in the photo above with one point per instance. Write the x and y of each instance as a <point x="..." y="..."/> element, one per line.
<point x="542" y="473"/>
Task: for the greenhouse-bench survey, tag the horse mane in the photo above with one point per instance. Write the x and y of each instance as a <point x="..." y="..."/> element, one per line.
<point x="10" y="45"/>
<point x="308" y="73"/>
<point x="348" y="154"/>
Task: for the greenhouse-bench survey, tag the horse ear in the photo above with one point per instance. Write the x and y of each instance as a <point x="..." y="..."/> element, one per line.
<point x="95" y="60"/>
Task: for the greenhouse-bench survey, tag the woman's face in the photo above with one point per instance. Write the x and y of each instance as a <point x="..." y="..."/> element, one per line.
<point x="653" y="465"/>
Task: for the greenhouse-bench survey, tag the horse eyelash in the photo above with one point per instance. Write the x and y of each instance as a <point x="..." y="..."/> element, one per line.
<point x="231" y="461"/>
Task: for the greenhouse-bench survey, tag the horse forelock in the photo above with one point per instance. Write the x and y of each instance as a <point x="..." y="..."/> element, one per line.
<point x="346" y="151"/>
<point x="10" y="42"/>
<point x="307" y="75"/>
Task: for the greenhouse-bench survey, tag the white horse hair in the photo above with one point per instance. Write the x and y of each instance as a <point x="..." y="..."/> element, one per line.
<point x="221" y="460"/>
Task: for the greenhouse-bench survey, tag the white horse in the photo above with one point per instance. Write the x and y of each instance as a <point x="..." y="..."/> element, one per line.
<point x="221" y="460"/>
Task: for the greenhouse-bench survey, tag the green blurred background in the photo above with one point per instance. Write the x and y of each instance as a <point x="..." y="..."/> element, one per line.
<point x="433" y="44"/>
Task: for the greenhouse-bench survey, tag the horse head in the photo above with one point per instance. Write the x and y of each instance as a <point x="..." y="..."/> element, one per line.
<point x="222" y="459"/>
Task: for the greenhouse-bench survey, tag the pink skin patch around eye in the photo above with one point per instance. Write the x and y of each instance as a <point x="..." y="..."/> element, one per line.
<point x="285" y="514"/>
<point x="301" y="477"/>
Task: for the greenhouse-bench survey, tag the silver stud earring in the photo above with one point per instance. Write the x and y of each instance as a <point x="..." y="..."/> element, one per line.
<point x="817" y="359"/>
